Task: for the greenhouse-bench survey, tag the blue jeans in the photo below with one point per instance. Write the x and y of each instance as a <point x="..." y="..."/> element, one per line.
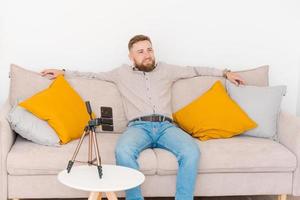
<point x="141" y="135"/>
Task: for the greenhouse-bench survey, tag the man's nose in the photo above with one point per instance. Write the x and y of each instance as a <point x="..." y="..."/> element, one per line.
<point x="147" y="55"/>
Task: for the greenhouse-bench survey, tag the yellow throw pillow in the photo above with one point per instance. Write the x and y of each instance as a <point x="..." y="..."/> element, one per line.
<point x="62" y="107"/>
<point x="213" y="115"/>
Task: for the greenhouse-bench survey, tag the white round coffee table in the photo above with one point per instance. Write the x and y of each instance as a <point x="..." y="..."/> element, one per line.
<point x="114" y="178"/>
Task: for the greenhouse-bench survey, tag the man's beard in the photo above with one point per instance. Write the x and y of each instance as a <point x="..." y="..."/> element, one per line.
<point x="147" y="67"/>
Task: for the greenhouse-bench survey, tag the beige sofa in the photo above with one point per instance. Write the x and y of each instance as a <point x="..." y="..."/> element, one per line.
<point x="235" y="166"/>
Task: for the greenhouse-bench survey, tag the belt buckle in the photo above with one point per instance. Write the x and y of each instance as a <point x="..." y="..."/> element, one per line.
<point x="159" y="118"/>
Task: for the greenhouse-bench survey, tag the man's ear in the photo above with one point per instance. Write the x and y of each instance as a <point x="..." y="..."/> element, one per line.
<point x="130" y="57"/>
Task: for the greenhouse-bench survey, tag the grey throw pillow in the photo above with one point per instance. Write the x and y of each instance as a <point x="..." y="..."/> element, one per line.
<point x="31" y="127"/>
<point x="262" y="104"/>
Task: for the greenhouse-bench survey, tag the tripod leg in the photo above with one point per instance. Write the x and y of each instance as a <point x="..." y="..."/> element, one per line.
<point x="97" y="154"/>
<point x="90" y="150"/>
<point x="71" y="162"/>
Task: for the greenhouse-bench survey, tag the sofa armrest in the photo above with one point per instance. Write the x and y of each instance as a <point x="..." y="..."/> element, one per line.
<point x="7" y="138"/>
<point x="289" y="136"/>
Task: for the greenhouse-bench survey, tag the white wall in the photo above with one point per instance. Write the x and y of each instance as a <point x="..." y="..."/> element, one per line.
<point x="298" y="104"/>
<point x="92" y="35"/>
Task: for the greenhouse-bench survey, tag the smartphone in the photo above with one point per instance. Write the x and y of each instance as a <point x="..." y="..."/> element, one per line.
<point x="107" y="118"/>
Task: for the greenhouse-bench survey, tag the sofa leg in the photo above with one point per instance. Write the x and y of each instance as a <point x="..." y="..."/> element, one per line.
<point x="282" y="197"/>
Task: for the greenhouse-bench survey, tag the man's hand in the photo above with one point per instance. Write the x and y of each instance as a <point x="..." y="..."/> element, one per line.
<point x="52" y="73"/>
<point x="234" y="78"/>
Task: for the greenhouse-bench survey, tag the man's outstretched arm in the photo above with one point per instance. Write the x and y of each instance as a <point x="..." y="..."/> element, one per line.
<point x="231" y="76"/>
<point x="105" y="76"/>
<point x="189" y="72"/>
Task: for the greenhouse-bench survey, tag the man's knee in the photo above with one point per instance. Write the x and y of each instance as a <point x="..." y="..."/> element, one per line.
<point x="124" y="152"/>
<point x="191" y="152"/>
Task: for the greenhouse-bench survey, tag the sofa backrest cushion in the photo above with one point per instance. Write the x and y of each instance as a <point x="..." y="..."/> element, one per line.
<point x="25" y="83"/>
<point x="185" y="91"/>
<point x="257" y="77"/>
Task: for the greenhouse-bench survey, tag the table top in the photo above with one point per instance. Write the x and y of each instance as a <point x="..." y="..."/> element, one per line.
<point x="114" y="178"/>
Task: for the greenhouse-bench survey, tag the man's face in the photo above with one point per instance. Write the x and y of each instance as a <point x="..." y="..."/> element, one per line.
<point x="142" y="56"/>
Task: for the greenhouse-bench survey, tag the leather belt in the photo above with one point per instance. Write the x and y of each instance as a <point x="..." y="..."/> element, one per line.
<point x="153" y="118"/>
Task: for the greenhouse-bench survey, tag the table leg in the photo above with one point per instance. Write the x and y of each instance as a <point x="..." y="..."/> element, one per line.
<point x="111" y="196"/>
<point x="95" y="196"/>
<point x="99" y="196"/>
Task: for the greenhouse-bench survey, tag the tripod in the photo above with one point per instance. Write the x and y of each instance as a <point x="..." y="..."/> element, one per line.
<point x="90" y="130"/>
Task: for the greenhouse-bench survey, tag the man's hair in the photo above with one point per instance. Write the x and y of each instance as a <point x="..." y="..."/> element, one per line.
<point x="136" y="39"/>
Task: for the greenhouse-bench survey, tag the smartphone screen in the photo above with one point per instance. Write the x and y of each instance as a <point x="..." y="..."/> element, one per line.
<point x="107" y="116"/>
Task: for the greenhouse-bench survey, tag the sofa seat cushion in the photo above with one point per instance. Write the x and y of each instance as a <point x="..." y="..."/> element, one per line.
<point x="28" y="158"/>
<point x="237" y="154"/>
